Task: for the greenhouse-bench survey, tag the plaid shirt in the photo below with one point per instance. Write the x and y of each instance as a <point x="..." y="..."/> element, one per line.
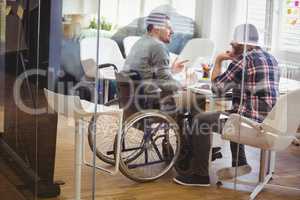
<point x="261" y="84"/>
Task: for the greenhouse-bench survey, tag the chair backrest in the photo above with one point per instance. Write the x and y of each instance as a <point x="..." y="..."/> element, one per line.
<point x="66" y="105"/>
<point x="285" y="115"/>
<point x="132" y="96"/>
<point x="109" y="52"/>
<point x="128" y="42"/>
<point x="127" y="86"/>
<point x="197" y="48"/>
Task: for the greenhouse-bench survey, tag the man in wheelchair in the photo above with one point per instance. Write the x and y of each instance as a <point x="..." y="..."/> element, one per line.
<point x="150" y="57"/>
<point x="148" y="64"/>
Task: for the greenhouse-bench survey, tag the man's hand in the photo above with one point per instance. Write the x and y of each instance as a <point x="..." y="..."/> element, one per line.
<point x="228" y="55"/>
<point x="178" y="66"/>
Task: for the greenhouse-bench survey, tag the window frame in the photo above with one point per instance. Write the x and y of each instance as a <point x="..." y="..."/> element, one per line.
<point x="287" y="56"/>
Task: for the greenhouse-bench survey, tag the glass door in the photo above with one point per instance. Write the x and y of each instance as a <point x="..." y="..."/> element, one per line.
<point x="27" y="131"/>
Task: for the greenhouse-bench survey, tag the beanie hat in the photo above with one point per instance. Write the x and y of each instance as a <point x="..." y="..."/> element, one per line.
<point x="157" y="19"/>
<point x="246" y="34"/>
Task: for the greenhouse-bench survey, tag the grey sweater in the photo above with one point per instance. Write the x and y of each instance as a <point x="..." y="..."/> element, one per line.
<point x="150" y="57"/>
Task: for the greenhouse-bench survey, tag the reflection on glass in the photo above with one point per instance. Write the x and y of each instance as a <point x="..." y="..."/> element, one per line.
<point x="2" y="50"/>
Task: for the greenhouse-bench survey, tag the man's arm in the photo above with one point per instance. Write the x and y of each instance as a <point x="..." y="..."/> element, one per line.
<point x="222" y="82"/>
<point x="177" y="66"/>
<point x="218" y="64"/>
<point x="163" y="72"/>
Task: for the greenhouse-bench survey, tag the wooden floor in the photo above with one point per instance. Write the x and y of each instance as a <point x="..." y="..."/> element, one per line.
<point x="7" y="189"/>
<point x="1" y="119"/>
<point x="120" y="188"/>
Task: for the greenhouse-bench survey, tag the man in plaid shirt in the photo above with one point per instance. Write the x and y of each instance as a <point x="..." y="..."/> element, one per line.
<point x="261" y="81"/>
<point x="261" y="89"/>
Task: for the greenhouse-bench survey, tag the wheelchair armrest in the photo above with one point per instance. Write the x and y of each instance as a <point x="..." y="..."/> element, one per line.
<point x="112" y="102"/>
<point x="150" y="89"/>
<point x="154" y="92"/>
<point x="106" y="65"/>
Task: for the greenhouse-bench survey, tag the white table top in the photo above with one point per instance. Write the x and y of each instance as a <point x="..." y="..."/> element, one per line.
<point x="285" y="86"/>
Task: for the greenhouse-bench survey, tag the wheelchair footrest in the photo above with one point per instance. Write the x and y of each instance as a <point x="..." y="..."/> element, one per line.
<point x="132" y="166"/>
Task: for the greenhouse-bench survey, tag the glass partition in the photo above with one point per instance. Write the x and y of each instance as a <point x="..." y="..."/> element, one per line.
<point x="269" y="88"/>
<point x="2" y="61"/>
<point x="93" y="56"/>
<point x="285" y="47"/>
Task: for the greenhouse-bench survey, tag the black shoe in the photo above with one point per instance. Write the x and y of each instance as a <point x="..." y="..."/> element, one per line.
<point x="192" y="180"/>
<point x="241" y="162"/>
<point x="216" y="156"/>
<point x="216" y="150"/>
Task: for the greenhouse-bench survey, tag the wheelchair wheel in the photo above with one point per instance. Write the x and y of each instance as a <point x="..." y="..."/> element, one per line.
<point x="150" y="145"/>
<point x="105" y="138"/>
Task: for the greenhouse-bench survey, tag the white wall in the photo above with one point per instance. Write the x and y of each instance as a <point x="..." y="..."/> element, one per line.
<point x="79" y="6"/>
<point x="203" y="16"/>
<point x="72" y="6"/>
<point x="215" y="20"/>
<point x="221" y="23"/>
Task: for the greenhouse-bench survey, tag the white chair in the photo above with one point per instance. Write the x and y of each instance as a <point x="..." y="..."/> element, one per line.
<point x="109" y="52"/>
<point x="72" y="106"/>
<point x="197" y="49"/>
<point x="275" y="133"/>
<point x="128" y="43"/>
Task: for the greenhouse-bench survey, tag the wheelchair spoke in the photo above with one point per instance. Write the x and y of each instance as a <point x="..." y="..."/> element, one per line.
<point x="146" y="155"/>
<point x="156" y="149"/>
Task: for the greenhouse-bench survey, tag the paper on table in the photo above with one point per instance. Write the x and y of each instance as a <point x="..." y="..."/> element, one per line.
<point x="222" y="116"/>
<point x="186" y="77"/>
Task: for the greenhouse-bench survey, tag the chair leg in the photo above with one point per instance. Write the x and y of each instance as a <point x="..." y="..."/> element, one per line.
<point x="118" y="151"/>
<point x="119" y="136"/>
<point x="260" y="187"/>
<point x="264" y="177"/>
<point x="210" y="155"/>
<point x="83" y="129"/>
<point x="78" y="158"/>
<point x="272" y="161"/>
<point x="106" y="91"/>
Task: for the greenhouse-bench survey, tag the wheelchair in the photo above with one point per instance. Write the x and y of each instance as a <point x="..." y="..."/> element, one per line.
<point x="150" y="140"/>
